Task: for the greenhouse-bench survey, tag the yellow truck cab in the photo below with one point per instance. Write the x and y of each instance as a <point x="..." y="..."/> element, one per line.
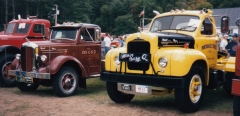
<point x="177" y="55"/>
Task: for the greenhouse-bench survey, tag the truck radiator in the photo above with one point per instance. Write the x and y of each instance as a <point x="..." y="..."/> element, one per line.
<point x="27" y="57"/>
<point x="138" y="46"/>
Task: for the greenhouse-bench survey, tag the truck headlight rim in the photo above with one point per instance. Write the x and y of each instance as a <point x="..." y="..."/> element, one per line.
<point x="43" y="58"/>
<point x="162" y="62"/>
<point x="18" y="56"/>
<point x="116" y="60"/>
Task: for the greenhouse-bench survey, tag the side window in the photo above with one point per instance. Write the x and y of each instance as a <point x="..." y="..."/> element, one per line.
<point x="87" y="34"/>
<point x="37" y="28"/>
<point x="207" y="27"/>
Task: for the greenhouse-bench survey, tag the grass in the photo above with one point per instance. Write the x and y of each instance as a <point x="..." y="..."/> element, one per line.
<point x="214" y="101"/>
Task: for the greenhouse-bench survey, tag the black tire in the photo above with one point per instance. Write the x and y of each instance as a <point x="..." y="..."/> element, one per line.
<point x="236" y="106"/>
<point x="26" y="86"/>
<point x="227" y="86"/>
<point x="66" y="81"/>
<point x="5" y="63"/>
<point x="187" y="101"/>
<point x="116" y="95"/>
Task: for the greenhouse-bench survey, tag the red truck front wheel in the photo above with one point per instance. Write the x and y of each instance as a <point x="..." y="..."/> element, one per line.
<point x="65" y="83"/>
<point x="5" y="64"/>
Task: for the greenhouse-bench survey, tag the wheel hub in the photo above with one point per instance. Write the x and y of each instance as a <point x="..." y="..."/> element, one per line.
<point x="67" y="82"/>
<point x="5" y="68"/>
<point x="195" y="88"/>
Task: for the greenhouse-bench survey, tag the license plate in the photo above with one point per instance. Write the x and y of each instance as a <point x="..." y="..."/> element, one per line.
<point x="126" y="87"/>
<point x="141" y="89"/>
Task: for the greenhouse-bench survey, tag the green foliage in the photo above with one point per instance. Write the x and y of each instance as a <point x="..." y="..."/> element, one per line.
<point x="105" y="13"/>
<point x="206" y="5"/>
<point x="124" y="25"/>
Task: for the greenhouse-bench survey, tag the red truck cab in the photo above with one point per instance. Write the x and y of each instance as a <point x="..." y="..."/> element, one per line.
<point x="236" y="81"/>
<point x="11" y="40"/>
<point x="65" y="61"/>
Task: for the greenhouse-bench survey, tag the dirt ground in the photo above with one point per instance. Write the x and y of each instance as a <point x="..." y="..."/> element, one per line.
<point x="43" y="102"/>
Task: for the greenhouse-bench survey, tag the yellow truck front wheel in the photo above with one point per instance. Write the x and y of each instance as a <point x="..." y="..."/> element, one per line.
<point x="190" y="97"/>
<point x="117" y="96"/>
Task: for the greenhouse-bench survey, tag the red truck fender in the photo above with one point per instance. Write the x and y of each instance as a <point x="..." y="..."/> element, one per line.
<point x="58" y="61"/>
<point x="9" y="49"/>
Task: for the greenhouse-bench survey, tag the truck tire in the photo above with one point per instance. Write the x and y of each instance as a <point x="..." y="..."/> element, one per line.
<point x="236" y="106"/>
<point x="65" y="83"/>
<point x="227" y="85"/>
<point x="26" y="86"/>
<point x="190" y="97"/>
<point x="116" y="95"/>
<point x="5" y="64"/>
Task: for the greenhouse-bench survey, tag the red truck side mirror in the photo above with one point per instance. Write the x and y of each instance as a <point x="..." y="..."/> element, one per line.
<point x="43" y="31"/>
<point x="224" y="24"/>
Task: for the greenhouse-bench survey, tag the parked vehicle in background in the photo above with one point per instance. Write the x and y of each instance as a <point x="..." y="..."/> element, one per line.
<point x="179" y="54"/>
<point x="11" y="40"/>
<point x="236" y="81"/>
<point x="72" y="55"/>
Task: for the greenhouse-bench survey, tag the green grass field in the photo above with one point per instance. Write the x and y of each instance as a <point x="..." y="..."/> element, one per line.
<point x="214" y="101"/>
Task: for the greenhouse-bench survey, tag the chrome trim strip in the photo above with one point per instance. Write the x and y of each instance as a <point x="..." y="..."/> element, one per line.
<point x="23" y="74"/>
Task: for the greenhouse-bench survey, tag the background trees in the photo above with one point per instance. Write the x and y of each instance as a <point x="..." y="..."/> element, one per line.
<point x="113" y="16"/>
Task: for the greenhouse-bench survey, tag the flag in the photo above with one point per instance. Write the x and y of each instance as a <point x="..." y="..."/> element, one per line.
<point x="141" y="13"/>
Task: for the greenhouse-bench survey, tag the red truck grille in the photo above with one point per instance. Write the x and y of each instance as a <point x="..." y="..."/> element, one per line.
<point x="27" y="57"/>
<point x="138" y="46"/>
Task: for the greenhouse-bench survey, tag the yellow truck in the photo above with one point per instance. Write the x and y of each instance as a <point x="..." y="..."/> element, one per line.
<point x="177" y="55"/>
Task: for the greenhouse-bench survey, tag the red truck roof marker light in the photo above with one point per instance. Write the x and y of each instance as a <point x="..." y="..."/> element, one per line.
<point x="186" y="45"/>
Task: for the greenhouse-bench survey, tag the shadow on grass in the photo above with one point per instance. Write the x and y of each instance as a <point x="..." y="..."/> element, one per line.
<point x="94" y="86"/>
<point x="41" y="91"/>
<point x="217" y="100"/>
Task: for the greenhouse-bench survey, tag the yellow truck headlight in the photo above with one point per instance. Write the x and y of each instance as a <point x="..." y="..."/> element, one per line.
<point x="162" y="62"/>
<point x="117" y="60"/>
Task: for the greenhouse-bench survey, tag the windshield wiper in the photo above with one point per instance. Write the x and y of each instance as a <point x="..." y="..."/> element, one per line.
<point x="185" y="27"/>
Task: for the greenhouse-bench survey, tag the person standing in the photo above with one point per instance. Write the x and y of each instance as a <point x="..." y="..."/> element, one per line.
<point x="223" y="43"/>
<point x="231" y="47"/>
<point x="107" y="41"/>
<point x="102" y="48"/>
<point x="120" y="40"/>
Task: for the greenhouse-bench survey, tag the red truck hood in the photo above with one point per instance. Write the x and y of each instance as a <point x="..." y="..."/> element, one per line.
<point x="2" y="37"/>
<point x="55" y="43"/>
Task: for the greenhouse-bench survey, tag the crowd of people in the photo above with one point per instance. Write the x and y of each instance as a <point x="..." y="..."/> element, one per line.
<point x="108" y="42"/>
<point x="229" y="46"/>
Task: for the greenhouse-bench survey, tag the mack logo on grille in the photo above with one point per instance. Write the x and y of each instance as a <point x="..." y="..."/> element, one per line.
<point x="131" y="57"/>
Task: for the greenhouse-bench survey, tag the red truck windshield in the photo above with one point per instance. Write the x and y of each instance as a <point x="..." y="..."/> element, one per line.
<point x="20" y="28"/>
<point x="64" y="33"/>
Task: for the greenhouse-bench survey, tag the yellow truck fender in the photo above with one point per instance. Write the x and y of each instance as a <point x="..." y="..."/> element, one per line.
<point x="110" y="64"/>
<point x="58" y="61"/>
<point x="183" y="59"/>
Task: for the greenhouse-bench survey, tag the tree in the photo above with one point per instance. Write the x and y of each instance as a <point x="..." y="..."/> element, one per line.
<point x="125" y="25"/>
<point x="206" y="5"/>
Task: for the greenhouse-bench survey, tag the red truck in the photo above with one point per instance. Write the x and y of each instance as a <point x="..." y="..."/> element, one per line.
<point x="65" y="61"/>
<point x="15" y="34"/>
<point x="236" y="81"/>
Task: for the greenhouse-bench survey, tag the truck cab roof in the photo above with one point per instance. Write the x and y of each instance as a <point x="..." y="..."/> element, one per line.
<point x="75" y="25"/>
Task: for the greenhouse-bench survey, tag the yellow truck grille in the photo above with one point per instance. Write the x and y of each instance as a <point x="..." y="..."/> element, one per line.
<point x="138" y="46"/>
